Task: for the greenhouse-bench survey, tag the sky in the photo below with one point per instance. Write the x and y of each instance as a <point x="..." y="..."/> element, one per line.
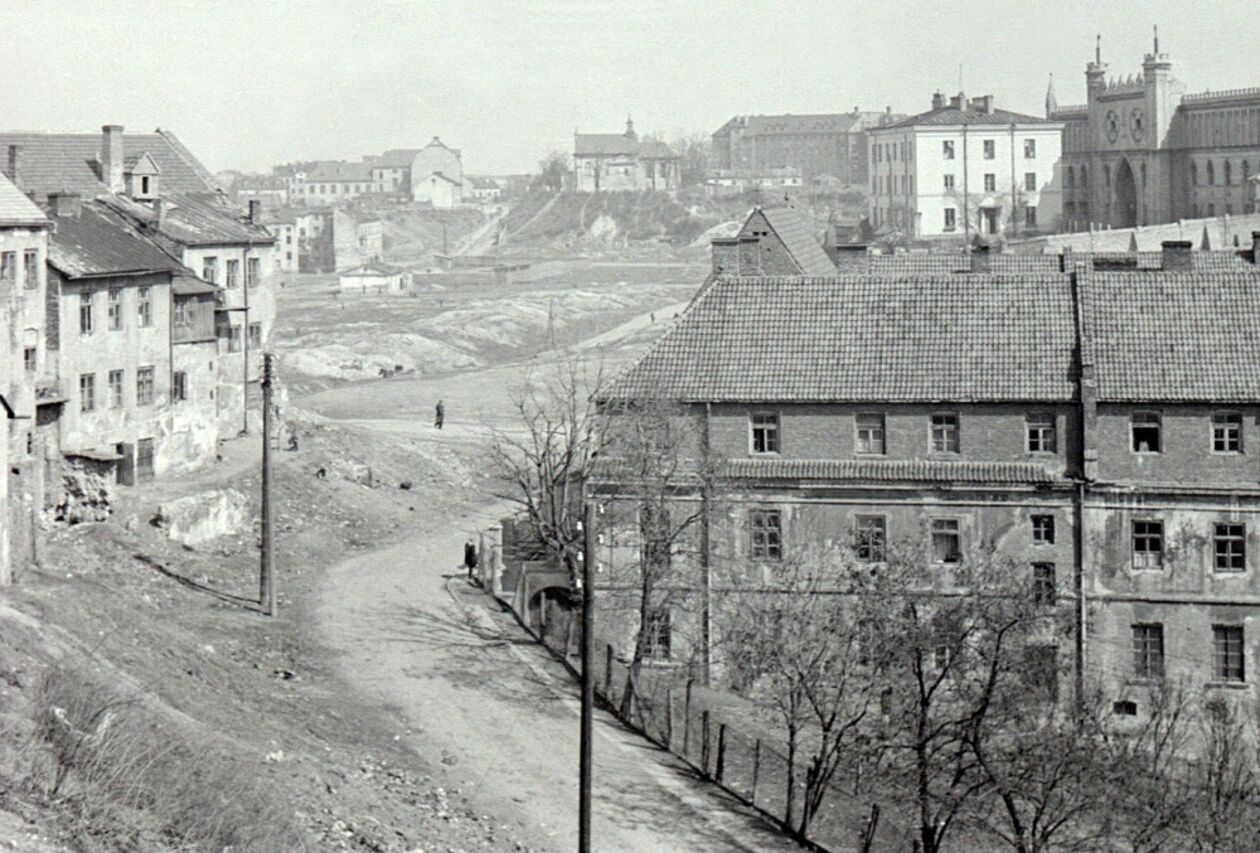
<point x="250" y="83"/>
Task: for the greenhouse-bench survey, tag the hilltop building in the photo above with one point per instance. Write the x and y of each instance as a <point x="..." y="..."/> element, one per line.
<point x="814" y="145"/>
<point x="437" y="175"/>
<point x="608" y="162"/>
<point x="1141" y="151"/>
<point x="966" y="168"/>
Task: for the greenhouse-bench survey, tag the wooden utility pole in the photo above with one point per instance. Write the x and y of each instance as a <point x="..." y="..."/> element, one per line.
<point x="588" y="677"/>
<point x="266" y="583"/>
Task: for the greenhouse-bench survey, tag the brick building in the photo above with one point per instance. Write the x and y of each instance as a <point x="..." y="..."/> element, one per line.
<point x="1016" y="405"/>
<point x="815" y="145"/>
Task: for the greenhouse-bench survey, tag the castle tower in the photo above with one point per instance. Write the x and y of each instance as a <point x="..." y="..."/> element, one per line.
<point x="1096" y="71"/>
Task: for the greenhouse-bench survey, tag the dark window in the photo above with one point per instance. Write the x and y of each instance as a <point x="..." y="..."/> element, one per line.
<point x="1145" y="427"/>
<point x="870" y="433"/>
<point x="1148" y="544"/>
<point x="1124" y="708"/>
<point x="1030" y="181"/>
<point x="947" y="149"/>
<point x="85" y="312"/>
<point x="945" y="433"/>
<point x="765" y="432"/>
<point x="1227" y="432"/>
<point x="766" y="534"/>
<point x="1030" y="149"/>
<point x="1041" y="433"/>
<point x="30" y="261"/>
<point x="115" y="389"/>
<point x="1045" y="591"/>
<point x="210" y="270"/>
<point x="30" y="359"/>
<point x="1043" y="529"/>
<point x="87" y="392"/>
<point x="990" y="182"/>
<point x="255" y="335"/>
<point x="8" y="266"/>
<point x="1227" y="648"/>
<point x="179" y="385"/>
<point x="869" y="532"/>
<point x="115" y="309"/>
<point x="951" y="219"/>
<point x="949" y="182"/>
<point x="144" y="306"/>
<point x="990" y="149"/>
<point x="1030" y="215"/>
<point x="1148" y="651"/>
<point x="656" y="635"/>
<point x="946" y="541"/>
<point x="182" y="314"/>
<point x="1231" y="547"/>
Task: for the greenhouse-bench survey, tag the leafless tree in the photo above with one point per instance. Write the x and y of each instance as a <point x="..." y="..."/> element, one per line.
<point x="1225" y="779"/>
<point x="552" y="170"/>
<point x="694" y="151"/>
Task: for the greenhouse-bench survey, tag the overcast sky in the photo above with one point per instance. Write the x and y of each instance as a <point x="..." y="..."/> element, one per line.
<point x="249" y="83"/>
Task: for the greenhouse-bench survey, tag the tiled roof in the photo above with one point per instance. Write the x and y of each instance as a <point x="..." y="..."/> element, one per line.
<point x="923" y="263"/>
<point x="99" y="242"/>
<point x="52" y="162"/>
<point x="192" y="220"/>
<point x="655" y="149"/>
<point x="446" y="178"/>
<point x="604" y="144"/>
<point x="190" y="285"/>
<point x="910" y="470"/>
<point x="332" y="171"/>
<point x="396" y="158"/>
<point x="797" y="124"/>
<point x="797" y="235"/>
<point x="893" y="338"/>
<point x="952" y="116"/>
<point x="16" y="208"/>
<point x="1173" y="336"/>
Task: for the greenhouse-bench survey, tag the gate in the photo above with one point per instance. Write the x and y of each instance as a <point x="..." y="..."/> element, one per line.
<point x="144" y="460"/>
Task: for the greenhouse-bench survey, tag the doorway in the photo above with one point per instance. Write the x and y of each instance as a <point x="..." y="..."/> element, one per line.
<point x="1125" y="210"/>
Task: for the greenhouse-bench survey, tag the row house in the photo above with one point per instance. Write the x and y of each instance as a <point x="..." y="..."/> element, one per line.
<point x="1092" y="420"/>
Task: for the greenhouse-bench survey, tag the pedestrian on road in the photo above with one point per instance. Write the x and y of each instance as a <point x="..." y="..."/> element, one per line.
<point x="470" y="556"/>
<point x="439" y="415"/>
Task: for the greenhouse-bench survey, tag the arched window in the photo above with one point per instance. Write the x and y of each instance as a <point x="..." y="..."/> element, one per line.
<point x="1084" y="177"/>
<point x="1071" y="177"/>
<point x="1194" y="174"/>
<point x="1211" y="174"/>
<point x="1106" y="176"/>
<point x="1228" y="173"/>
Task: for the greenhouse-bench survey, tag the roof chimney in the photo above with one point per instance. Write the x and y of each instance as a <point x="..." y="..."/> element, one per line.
<point x="986" y="104"/>
<point x="65" y="205"/>
<point x="255" y="211"/>
<point x="958" y="101"/>
<point x="1177" y="255"/>
<point x="981" y="259"/>
<point x="14" y="170"/>
<point x="1255" y="247"/>
<point x="938" y="101"/>
<point x="159" y="212"/>
<point x="112" y="157"/>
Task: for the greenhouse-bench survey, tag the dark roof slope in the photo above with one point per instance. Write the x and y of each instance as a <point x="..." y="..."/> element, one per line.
<point x="851" y="338"/>
<point x="951" y="116"/>
<point x="604" y="144"/>
<point x="192" y="220"/>
<point x="98" y="242"/>
<point x="52" y="162"/>
<point x="797" y="236"/>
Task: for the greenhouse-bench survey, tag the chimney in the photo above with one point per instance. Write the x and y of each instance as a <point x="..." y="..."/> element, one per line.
<point x="958" y="101"/>
<point x="725" y="255"/>
<point x="255" y="211"/>
<point x="984" y="104"/>
<point x="65" y="205"/>
<point x="14" y="171"/>
<point x="981" y="259"/>
<point x="938" y="101"/>
<point x="749" y="256"/>
<point x="1255" y="247"/>
<point x="1176" y="256"/>
<point x="112" y="157"/>
<point x="159" y="213"/>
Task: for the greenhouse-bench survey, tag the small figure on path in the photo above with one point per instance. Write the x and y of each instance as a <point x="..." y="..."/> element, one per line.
<point x="470" y="556"/>
<point x="439" y="415"/>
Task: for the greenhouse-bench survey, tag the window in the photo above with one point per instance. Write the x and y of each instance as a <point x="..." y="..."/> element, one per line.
<point x="144" y="306"/>
<point x="1030" y="149"/>
<point x="1148" y="651"/>
<point x="1041" y="671"/>
<point x="1226" y="432"/>
<point x="30" y="359"/>
<point x="8" y="266"/>
<point x="1194" y="173"/>
<point x="951" y="219"/>
<point x="1229" y="173"/>
<point x="765" y="432"/>
<point x="231" y="272"/>
<point x="115" y="309"/>
<point x="1069" y="180"/>
<point x="144" y="185"/>
<point x="990" y="182"/>
<point x="1030" y="181"/>
<point x="1231" y="547"/>
<point x="1045" y="591"/>
<point x="182" y="314"/>
<point x="87" y="392"/>
<point x="1041" y="433"/>
<point x="1030" y="215"/>
<point x="210" y="270"/>
<point x="766" y="534"/>
<point x="656" y="635"/>
<point x="85" y="312"/>
<point x="1148" y="544"/>
<point x="945" y="433"/>
<point x="30" y="262"/>
<point x="869" y="532"/>
<point x="949" y="183"/>
<point x="947" y="149"/>
<point x="115" y="389"/>
<point x="870" y="433"/>
<point x="1211" y="173"/>
<point x="1146" y="432"/>
<point x="144" y="386"/>
<point x="251" y="272"/>
<point x="179" y="385"/>
<point x="1043" y="529"/>
<point x="990" y="149"/>
<point x="255" y="335"/>
<point x="946" y="541"/>
<point x="234" y="339"/>
<point x="1227" y="648"/>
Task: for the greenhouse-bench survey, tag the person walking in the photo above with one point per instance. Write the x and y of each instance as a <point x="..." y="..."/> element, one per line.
<point x="470" y="556"/>
<point x="439" y="415"/>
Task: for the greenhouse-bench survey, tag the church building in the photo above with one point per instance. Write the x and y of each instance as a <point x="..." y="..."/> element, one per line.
<point x="1141" y="151"/>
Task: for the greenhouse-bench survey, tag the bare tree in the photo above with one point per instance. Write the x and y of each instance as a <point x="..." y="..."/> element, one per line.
<point x="694" y="151"/>
<point x="553" y="169"/>
<point x="1225" y="778"/>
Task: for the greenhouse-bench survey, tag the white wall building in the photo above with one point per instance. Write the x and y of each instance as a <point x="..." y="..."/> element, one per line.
<point x="965" y="168"/>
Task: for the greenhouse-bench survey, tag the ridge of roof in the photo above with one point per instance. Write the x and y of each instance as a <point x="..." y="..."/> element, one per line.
<point x="949" y="116"/>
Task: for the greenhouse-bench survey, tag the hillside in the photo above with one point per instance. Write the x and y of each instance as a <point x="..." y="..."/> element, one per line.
<point x="411" y="235"/>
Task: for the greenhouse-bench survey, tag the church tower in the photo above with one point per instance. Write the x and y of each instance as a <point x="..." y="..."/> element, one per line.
<point x="1052" y="103"/>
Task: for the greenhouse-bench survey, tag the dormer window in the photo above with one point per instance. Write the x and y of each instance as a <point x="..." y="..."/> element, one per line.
<point x="142" y="178"/>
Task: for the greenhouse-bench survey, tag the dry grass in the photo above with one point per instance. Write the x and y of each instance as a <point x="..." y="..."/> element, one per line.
<point x="121" y="777"/>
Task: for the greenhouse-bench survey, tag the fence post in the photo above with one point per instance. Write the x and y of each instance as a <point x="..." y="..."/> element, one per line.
<point x="687" y="720"/>
<point x="669" y="718"/>
<point x="721" y="756"/>
<point x="704" y="745"/>
<point x="608" y="658"/>
<point x="752" y="795"/>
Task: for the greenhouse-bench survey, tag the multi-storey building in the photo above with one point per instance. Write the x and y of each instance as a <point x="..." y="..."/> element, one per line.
<point x="1016" y="407"/>
<point x="965" y="168"/>
<point x="813" y="146"/>
<point x="1141" y="151"/>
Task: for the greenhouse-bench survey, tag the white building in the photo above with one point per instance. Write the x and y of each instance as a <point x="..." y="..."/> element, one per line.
<point x="964" y="168"/>
<point x="437" y="175"/>
<point x="374" y="277"/>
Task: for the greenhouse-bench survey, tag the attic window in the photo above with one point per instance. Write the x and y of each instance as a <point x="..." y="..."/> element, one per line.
<point x="1145" y="428"/>
<point x="144" y="184"/>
